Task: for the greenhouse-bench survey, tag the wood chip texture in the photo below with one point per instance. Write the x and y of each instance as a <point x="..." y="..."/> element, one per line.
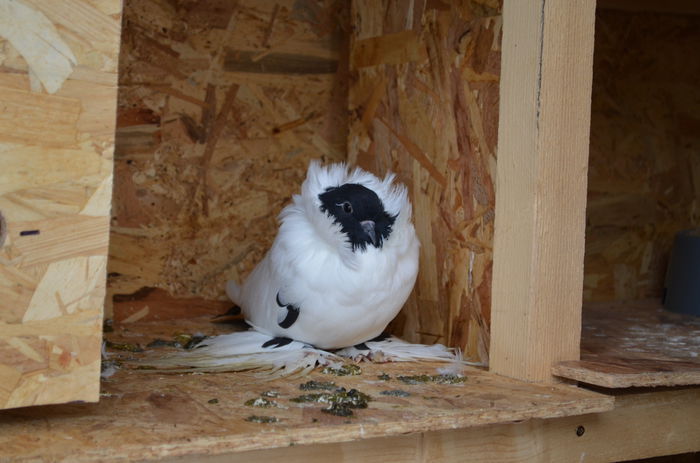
<point x="636" y="344"/>
<point x="424" y="104"/>
<point x="221" y="107"/>
<point x="146" y="415"/>
<point x="644" y="173"/>
<point x="57" y="122"/>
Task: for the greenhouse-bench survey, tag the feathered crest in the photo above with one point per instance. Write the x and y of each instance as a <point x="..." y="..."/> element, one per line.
<point x="394" y="197"/>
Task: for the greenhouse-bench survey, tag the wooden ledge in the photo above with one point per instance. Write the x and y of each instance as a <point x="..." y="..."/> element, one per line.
<point x="147" y="415"/>
<point x="642" y="425"/>
<point x="636" y="344"/>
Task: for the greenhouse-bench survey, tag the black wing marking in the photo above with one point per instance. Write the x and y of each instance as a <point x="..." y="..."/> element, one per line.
<point x="277" y="342"/>
<point x="292" y="313"/>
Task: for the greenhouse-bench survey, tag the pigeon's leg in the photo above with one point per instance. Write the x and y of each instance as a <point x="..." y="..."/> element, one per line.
<point x="277" y="342"/>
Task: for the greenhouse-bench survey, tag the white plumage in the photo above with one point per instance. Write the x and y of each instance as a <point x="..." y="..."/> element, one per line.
<point x="344" y="296"/>
<point x="341" y="267"/>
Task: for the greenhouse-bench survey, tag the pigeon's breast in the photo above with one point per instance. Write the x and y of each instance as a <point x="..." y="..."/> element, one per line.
<point x="341" y="307"/>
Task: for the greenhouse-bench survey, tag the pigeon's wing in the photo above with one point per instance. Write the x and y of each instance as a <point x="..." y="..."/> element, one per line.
<point x="262" y="298"/>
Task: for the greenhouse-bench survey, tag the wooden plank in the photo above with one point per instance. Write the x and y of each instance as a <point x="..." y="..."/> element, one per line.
<point x="620" y="372"/>
<point x="541" y="188"/>
<point x="34" y="118"/>
<point x="147" y="415"/>
<point x="636" y="344"/>
<point x="58" y="98"/>
<point x="44" y="241"/>
<point x="642" y="426"/>
<point x="423" y="103"/>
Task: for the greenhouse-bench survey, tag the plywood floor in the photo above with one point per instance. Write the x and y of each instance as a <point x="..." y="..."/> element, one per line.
<point x="144" y="414"/>
<point x="636" y="343"/>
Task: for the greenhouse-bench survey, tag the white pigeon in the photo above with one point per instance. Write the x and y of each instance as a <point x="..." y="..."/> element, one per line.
<point x="342" y="265"/>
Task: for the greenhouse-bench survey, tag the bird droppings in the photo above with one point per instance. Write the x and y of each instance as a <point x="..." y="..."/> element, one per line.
<point x="318" y="386"/>
<point x="213" y="401"/>
<point x="395" y="393"/>
<point x="189" y="341"/>
<point x="340" y="402"/>
<point x="262" y="419"/>
<point x="384" y="377"/>
<point x="261" y="402"/>
<point x="180" y="341"/>
<point x="163" y="343"/>
<point x="338" y="410"/>
<point x="123" y="346"/>
<point x="438" y="379"/>
<point x="271" y="394"/>
<point x="347" y="369"/>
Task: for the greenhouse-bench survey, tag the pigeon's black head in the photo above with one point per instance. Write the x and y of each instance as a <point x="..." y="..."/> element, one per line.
<point x="360" y="214"/>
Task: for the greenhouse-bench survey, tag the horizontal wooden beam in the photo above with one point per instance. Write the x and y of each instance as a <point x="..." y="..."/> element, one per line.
<point x="643" y="425"/>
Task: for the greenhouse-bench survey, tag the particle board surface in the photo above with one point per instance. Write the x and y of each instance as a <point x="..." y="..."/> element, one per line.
<point x="664" y="423"/>
<point x="146" y="415"/>
<point x="423" y="103"/>
<point x="221" y="106"/>
<point x="636" y="343"/>
<point x="644" y="169"/>
<point x="58" y="79"/>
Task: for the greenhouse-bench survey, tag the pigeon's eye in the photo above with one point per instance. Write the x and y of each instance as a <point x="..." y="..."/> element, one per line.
<point x="347" y="207"/>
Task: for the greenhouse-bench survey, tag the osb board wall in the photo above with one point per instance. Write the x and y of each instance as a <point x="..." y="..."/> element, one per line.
<point x="222" y="104"/>
<point x="58" y="76"/>
<point x="424" y="103"/>
<point x="644" y="174"/>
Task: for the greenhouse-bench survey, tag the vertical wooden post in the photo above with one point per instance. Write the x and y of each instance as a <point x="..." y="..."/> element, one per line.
<point x="544" y="127"/>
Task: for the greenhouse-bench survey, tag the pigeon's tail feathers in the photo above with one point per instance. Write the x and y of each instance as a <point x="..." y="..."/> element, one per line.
<point x="244" y="351"/>
<point x="233" y="291"/>
<point x="394" y="349"/>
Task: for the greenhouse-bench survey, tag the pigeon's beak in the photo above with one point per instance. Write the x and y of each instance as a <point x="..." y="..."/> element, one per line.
<point x="368" y="227"/>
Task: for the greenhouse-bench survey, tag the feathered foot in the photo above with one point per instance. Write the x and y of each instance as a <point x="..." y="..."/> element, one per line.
<point x="247" y="350"/>
<point x="255" y="351"/>
<point x="393" y="349"/>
